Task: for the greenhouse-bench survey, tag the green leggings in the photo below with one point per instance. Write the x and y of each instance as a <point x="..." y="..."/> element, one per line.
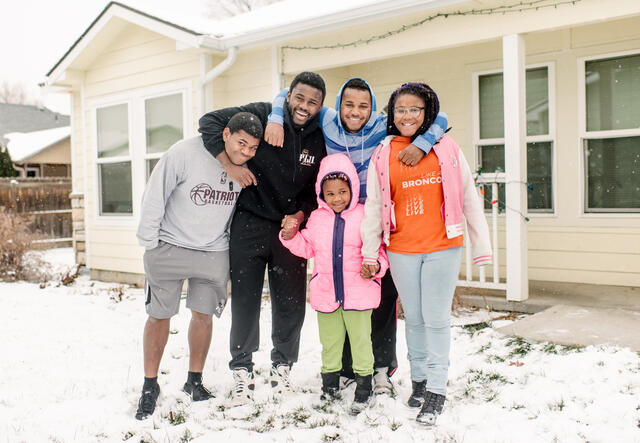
<point x="332" y="328"/>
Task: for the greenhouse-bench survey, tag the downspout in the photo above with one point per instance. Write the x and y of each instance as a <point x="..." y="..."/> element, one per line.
<point x="212" y="74"/>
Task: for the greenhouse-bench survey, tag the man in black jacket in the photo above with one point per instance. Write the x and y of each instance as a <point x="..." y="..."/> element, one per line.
<point x="279" y="183"/>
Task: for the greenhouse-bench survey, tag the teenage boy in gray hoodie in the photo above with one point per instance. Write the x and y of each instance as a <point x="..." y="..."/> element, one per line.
<point x="184" y="226"/>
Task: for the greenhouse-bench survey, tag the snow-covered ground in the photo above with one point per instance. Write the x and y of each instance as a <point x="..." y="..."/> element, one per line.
<point x="72" y="370"/>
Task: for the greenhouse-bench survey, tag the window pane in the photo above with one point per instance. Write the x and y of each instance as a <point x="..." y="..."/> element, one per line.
<point x="492" y="103"/>
<point x="113" y="131"/>
<point x="613" y="171"/>
<point x="163" y="116"/>
<point x="613" y="93"/>
<point x="115" y="188"/>
<point x="537" y="101"/>
<point x="539" y="164"/>
<point x="151" y="163"/>
<point x="491" y="106"/>
<point x="492" y="158"/>
<point x="539" y="169"/>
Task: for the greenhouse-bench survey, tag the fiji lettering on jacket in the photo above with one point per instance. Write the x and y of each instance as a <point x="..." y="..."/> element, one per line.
<point x="306" y="159"/>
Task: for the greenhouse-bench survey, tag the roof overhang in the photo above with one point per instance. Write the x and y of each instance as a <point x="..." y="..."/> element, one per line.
<point x="184" y="37"/>
<point x="191" y="38"/>
<point x="349" y="17"/>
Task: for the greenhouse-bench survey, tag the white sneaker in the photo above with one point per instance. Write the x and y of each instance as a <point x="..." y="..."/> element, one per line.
<point x="381" y="382"/>
<point x="244" y="388"/>
<point x="280" y="379"/>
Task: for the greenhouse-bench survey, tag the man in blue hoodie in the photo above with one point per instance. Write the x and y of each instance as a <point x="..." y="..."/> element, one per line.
<point x="355" y="128"/>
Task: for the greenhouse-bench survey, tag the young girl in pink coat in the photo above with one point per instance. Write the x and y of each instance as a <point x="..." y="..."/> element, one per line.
<point x="339" y="290"/>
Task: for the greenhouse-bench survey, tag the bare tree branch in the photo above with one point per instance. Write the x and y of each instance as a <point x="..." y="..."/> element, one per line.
<point x="15" y="93"/>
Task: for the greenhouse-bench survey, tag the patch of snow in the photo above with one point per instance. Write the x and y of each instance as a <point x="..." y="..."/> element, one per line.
<point x="72" y="371"/>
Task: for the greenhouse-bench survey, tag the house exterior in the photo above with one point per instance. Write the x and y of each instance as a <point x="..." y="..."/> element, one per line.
<point x="38" y="140"/>
<point x="45" y="153"/>
<point x="543" y="96"/>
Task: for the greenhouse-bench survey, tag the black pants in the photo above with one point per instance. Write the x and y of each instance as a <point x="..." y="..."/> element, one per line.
<point x="254" y="244"/>
<point x="383" y="332"/>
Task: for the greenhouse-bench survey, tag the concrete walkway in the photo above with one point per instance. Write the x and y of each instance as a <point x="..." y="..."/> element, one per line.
<point x="580" y="325"/>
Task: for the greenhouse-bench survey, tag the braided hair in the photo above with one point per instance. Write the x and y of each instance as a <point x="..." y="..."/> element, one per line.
<point x="431" y="106"/>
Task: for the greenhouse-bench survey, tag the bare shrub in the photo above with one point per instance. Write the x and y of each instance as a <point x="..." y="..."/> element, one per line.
<point x="17" y="239"/>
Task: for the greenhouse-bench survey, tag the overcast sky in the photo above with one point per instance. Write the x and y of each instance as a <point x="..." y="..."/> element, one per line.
<point x="35" y="34"/>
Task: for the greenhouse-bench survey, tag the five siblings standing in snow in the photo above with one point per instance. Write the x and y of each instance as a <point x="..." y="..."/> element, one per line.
<point x="345" y="237"/>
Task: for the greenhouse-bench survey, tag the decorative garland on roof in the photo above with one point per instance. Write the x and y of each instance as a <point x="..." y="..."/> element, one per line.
<point x="496" y="10"/>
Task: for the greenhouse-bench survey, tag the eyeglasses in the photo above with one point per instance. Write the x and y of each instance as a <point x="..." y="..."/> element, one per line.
<point x="413" y="111"/>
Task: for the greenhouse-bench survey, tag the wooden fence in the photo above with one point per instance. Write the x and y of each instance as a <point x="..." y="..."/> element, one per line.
<point x="46" y="203"/>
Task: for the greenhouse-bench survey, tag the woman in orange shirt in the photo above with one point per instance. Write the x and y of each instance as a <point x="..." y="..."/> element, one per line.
<point x="418" y="212"/>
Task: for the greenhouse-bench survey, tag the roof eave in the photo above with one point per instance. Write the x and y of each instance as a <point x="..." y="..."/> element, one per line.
<point x="361" y="15"/>
<point x="191" y="38"/>
<point x="183" y="35"/>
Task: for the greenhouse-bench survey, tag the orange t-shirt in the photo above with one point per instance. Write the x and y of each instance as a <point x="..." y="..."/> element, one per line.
<point x="418" y="197"/>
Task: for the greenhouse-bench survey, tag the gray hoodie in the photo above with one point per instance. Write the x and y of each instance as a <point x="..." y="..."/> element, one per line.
<point x="188" y="201"/>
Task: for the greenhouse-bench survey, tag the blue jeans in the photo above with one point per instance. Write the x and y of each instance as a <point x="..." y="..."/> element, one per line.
<point x="426" y="283"/>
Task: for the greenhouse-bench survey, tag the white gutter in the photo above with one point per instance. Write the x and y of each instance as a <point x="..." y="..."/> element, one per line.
<point x="216" y="71"/>
<point x="336" y="20"/>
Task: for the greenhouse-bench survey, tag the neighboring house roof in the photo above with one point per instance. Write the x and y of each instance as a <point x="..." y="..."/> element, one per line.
<point x="28" y="118"/>
<point x="25" y="145"/>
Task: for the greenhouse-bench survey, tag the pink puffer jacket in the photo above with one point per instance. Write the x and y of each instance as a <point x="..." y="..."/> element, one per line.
<point x="334" y="240"/>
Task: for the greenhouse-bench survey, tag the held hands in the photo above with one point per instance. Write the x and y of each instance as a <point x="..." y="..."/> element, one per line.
<point x="274" y="134"/>
<point x="368" y="272"/>
<point x="290" y="224"/>
<point x="410" y="155"/>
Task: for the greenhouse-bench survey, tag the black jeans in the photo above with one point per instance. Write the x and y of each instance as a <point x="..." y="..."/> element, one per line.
<point x="254" y="244"/>
<point x="383" y="332"/>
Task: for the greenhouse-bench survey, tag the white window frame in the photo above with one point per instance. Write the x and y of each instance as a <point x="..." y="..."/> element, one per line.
<point x="101" y="161"/>
<point x="35" y="169"/>
<point x="550" y="137"/>
<point x="157" y="155"/>
<point x="584" y="135"/>
<point x="137" y="144"/>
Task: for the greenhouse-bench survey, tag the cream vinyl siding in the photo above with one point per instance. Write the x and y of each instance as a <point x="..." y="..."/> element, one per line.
<point x="136" y="59"/>
<point x="567" y="245"/>
<point x="247" y="80"/>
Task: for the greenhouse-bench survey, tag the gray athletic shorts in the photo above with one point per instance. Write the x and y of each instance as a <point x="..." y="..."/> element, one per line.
<point x="167" y="267"/>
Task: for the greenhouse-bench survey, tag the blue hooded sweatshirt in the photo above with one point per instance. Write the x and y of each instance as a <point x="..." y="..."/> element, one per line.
<point x="359" y="146"/>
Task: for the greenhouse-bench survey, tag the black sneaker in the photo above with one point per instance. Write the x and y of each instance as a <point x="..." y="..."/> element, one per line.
<point x="363" y="394"/>
<point x="197" y="391"/>
<point x="431" y="409"/>
<point x="330" y="385"/>
<point x="417" y="394"/>
<point x="147" y="402"/>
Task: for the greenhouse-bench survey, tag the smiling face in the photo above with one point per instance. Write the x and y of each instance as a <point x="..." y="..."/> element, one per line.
<point x="406" y="122"/>
<point x="355" y="108"/>
<point x="239" y="146"/>
<point x="304" y="103"/>
<point x="337" y="194"/>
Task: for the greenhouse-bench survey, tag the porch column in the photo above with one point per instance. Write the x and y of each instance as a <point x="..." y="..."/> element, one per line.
<point x="515" y="153"/>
